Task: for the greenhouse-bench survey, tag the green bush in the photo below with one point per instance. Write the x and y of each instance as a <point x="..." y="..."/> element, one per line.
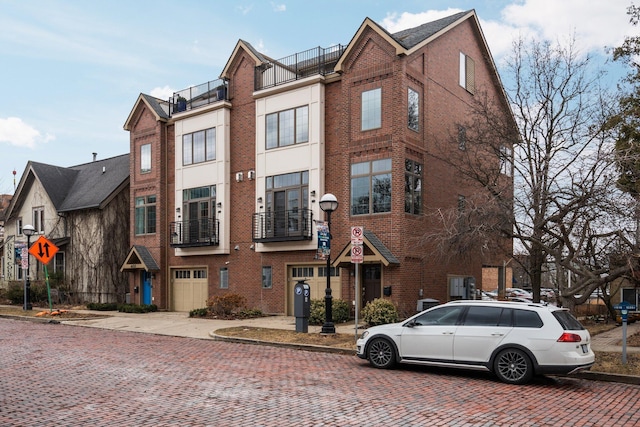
<point x="199" y="312"/>
<point x="339" y="311"/>
<point x="102" y="306"/>
<point x="38" y="292"/>
<point x="137" y="308"/>
<point x="379" y="312"/>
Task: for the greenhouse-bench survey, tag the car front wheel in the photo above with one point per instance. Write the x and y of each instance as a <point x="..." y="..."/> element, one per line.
<point x="381" y="353"/>
<point x="513" y="366"/>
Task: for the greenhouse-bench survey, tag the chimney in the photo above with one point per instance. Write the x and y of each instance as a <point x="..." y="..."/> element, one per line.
<point x="95" y="155"/>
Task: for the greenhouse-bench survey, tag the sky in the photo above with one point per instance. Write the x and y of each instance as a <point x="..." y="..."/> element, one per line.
<point x="71" y="70"/>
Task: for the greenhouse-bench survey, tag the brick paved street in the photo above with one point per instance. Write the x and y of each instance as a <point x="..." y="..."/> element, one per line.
<point x="68" y="375"/>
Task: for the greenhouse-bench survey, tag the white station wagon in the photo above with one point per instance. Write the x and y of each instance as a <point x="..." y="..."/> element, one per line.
<point x="513" y="340"/>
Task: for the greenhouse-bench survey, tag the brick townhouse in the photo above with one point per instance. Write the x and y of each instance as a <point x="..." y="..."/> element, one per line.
<point x="226" y="176"/>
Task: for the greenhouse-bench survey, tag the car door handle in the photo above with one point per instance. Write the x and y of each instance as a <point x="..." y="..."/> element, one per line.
<point x="447" y="333"/>
<point x="497" y="334"/>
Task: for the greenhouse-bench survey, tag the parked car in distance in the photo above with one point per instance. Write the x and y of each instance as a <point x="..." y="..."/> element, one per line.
<point x="513" y="340"/>
<point x="517" y="292"/>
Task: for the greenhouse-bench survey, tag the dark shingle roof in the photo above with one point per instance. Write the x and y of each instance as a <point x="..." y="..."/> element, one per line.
<point x="380" y="247"/>
<point x="95" y="182"/>
<point x="56" y="181"/>
<point x="160" y="107"/>
<point x="410" y="37"/>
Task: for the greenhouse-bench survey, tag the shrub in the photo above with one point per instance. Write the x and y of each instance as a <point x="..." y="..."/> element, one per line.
<point x="225" y="305"/>
<point x="199" y="312"/>
<point x="339" y="311"/>
<point x="379" y="312"/>
<point x="38" y="292"/>
<point x="137" y="308"/>
<point x="102" y="306"/>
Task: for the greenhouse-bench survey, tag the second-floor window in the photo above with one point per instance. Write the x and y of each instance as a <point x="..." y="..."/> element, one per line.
<point x="38" y="220"/>
<point x="287" y="200"/>
<point x="506" y="160"/>
<point x="19" y="227"/>
<point x="371" y="109"/>
<point x="371" y="187"/>
<point x="287" y="127"/>
<point x="145" y="215"/>
<point x="199" y="147"/>
<point x="412" y="187"/>
<point x="198" y="209"/>
<point x="467" y="73"/>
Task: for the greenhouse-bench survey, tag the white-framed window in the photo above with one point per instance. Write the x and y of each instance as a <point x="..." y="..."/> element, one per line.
<point x="371" y="109"/>
<point x="267" y="279"/>
<point x="145" y="215"/>
<point x="371" y="187"/>
<point x="38" y="220"/>
<point x="199" y="147"/>
<point x="224" y="278"/>
<point x="19" y="227"/>
<point x="467" y="73"/>
<point x="145" y="158"/>
<point x="287" y="127"/>
<point x="506" y="160"/>
<point x="413" y="109"/>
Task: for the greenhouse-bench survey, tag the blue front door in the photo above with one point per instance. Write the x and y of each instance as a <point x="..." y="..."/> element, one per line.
<point x="146" y="287"/>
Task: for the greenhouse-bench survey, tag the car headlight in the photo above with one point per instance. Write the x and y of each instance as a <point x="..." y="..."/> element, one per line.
<point x="364" y="335"/>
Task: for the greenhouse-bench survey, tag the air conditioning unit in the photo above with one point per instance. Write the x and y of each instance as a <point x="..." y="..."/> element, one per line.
<point x="251" y="174"/>
<point x="239" y="176"/>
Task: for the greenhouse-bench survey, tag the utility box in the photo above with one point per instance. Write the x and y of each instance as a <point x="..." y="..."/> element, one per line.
<point x="302" y="305"/>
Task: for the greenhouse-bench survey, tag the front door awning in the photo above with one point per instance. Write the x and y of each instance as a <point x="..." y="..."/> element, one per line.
<point x="139" y="258"/>
<point x="374" y="252"/>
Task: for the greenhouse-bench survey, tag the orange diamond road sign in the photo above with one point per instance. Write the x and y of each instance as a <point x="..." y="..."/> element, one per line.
<point x="43" y="249"/>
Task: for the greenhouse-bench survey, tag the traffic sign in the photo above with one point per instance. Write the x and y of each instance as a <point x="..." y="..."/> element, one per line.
<point x="43" y="249"/>
<point x="357" y="233"/>
<point x="357" y="254"/>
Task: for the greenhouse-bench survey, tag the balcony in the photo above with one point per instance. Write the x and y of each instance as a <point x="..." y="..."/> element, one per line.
<point x="283" y="226"/>
<point x="297" y="66"/>
<point x="194" y="233"/>
<point x="198" y="96"/>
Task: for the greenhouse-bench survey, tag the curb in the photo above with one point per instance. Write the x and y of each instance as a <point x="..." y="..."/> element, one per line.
<point x="304" y="347"/>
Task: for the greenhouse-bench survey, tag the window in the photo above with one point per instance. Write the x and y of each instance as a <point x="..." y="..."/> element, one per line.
<point x="287" y="202"/>
<point x="412" y="187"/>
<point x="266" y="277"/>
<point x="302" y="272"/>
<point x="467" y="73"/>
<point x="19" y="227"/>
<point x="58" y="262"/>
<point x="413" y="109"/>
<point x="38" y="220"/>
<point x="483" y="316"/>
<point x="371" y="187"/>
<point x="224" y="278"/>
<point x="198" y="205"/>
<point x="372" y="109"/>
<point x="441" y="316"/>
<point x="145" y="158"/>
<point x="462" y="203"/>
<point x="145" y="215"/>
<point x="199" y="147"/>
<point x="287" y="127"/>
<point x="182" y="274"/>
<point x="526" y="319"/>
<point x="462" y="138"/>
<point x="505" y="160"/>
<point x="333" y="271"/>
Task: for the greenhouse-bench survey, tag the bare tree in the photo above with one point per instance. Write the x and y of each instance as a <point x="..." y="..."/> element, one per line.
<point x="563" y="206"/>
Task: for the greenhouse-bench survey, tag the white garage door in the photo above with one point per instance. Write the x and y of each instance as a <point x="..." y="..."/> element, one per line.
<point x="315" y="276"/>
<point x="190" y="289"/>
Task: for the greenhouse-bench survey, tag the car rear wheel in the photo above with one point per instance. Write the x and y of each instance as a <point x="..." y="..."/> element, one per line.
<point x="513" y="366"/>
<point x="381" y="353"/>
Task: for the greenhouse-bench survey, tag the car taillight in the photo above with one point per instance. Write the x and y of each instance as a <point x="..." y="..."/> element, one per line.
<point x="568" y="337"/>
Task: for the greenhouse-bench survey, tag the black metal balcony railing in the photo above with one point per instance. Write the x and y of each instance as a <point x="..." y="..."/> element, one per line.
<point x="198" y="232"/>
<point x="282" y="226"/>
<point x="198" y="96"/>
<point x="297" y="66"/>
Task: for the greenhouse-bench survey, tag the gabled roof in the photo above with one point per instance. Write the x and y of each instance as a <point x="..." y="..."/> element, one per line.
<point x="86" y="186"/>
<point x="159" y="108"/>
<point x="258" y="57"/>
<point x="407" y="41"/>
<point x="139" y="258"/>
<point x="374" y="252"/>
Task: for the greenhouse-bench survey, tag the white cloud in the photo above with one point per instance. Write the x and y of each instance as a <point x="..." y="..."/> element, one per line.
<point x="279" y="7"/>
<point x="165" y="92"/>
<point x="17" y="133"/>
<point x="596" y="25"/>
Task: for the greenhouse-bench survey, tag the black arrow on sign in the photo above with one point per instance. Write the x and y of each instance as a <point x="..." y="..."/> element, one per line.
<point x="46" y="249"/>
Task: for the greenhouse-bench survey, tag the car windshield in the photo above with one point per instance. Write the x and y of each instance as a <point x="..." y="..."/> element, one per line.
<point x="568" y="322"/>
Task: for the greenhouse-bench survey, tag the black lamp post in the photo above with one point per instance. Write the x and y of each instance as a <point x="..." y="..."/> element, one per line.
<point x="328" y="203"/>
<point x="28" y="231"/>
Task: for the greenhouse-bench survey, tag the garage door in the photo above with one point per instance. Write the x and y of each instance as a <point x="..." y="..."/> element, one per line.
<point x="190" y="289"/>
<point x="315" y="276"/>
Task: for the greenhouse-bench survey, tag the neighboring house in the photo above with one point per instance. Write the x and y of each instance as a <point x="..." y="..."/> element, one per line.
<point x="84" y="211"/>
<point x="226" y="177"/>
<point x="5" y="199"/>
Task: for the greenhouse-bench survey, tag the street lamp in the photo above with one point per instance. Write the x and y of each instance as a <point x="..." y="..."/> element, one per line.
<point x="328" y="203"/>
<point x="28" y="231"/>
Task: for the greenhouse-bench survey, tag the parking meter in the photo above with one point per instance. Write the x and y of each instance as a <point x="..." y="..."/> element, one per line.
<point x="302" y="305"/>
